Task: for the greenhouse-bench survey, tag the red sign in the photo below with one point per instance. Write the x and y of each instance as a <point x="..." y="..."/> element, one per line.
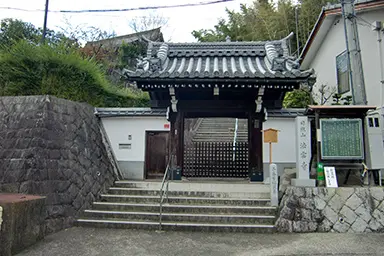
<point x="166" y="126"/>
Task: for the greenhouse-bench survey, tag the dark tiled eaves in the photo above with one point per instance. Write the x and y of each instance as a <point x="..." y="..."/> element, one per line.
<point x="121" y="112"/>
<point x="114" y="112"/>
<point x="218" y="67"/>
<point x="286" y="112"/>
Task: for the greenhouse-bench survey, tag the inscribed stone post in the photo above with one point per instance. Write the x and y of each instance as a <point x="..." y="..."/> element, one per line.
<point x="273" y="184"/>
<point x="303" y="153"/>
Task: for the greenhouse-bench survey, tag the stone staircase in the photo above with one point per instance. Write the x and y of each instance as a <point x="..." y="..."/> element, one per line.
<point x="221" y="129"/>
<point x="192" y="206"/>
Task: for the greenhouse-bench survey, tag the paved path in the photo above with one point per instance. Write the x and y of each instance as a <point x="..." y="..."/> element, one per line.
<point x="111" y="242"/>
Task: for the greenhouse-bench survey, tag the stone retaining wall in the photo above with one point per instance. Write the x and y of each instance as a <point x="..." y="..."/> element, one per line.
<point x="53" y="147"/>
<point x="359" y="209"/>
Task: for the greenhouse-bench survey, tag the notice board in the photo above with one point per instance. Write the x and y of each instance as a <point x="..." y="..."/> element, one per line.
<point x="341" y="139"/>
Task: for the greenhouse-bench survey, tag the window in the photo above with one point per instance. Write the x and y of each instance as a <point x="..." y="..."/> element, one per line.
<point x="370" y="122"/>
<point x="373" y="122"/>
<point x="342" y="73"/>
<point x="376" y="122"/>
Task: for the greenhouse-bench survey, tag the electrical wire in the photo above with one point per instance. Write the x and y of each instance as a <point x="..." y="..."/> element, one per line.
<point x="122" y="10"/>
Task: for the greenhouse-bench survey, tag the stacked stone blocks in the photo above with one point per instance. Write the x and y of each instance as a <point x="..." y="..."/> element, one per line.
<point x="53" y="147"/>
<point x="348" y="209"/>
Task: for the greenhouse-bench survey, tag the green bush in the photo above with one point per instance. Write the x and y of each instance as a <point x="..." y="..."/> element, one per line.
<point x="27" y="69"/>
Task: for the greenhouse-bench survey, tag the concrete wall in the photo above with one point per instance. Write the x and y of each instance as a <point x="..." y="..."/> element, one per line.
<point x="324" y="62"/>
<point x="53" y="147"/>
<point x="131" y="130"/>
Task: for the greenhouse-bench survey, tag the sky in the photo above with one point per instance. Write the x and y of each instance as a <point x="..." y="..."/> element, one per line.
<point x="182" y="21"/>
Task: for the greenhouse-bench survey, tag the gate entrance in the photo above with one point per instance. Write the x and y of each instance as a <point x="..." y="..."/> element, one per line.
<point x="218" y="79"/>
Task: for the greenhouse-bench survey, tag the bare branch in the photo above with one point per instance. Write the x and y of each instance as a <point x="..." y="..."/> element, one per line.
<point x="147" y="22"/>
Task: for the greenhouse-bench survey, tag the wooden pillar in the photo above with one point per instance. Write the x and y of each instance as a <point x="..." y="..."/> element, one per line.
<point x="176" y="141"/>
<point x="255" y="145"/>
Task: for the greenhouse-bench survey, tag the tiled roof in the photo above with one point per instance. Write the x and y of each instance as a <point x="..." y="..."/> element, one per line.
<point x="219" y="60"/>
<point x="108" y="112"/>
<point x="116" y="112"/>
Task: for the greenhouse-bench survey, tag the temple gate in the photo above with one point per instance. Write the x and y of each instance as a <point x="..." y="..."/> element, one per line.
<point x="221" y="79"/>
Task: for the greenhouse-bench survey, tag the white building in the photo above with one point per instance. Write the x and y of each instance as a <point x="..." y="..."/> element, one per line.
<point x="130" y="129"/>
<point x="326" y="45"/>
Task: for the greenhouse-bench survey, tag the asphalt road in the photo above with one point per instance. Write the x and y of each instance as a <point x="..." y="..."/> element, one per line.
<point x="111" y="242"/>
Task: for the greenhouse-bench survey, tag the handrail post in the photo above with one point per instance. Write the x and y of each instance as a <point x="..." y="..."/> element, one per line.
<point x="162" y="192"/>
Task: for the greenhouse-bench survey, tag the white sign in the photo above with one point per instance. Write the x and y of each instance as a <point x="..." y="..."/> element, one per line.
<point x="273" y="184"/>
<point x="330" y="177"/>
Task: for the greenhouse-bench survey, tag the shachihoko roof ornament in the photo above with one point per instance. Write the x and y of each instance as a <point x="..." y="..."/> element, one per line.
<point x="269" y="59"/>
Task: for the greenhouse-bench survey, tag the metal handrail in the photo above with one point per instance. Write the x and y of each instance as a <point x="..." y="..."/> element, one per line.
<point x="163" y="192"/>
<point x="235" y="138"/>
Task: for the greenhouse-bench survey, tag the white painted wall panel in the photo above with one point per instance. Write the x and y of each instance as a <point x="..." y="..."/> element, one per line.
<point x="119" y="128"/>
<point x="285" y="150"/>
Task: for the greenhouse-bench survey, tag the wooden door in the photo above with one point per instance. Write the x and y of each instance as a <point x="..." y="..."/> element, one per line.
<point x="156" y="154"/>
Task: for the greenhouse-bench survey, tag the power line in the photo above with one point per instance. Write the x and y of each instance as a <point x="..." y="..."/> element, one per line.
<point x="122" y="10"/>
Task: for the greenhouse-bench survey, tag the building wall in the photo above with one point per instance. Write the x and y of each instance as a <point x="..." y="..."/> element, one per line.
<point x="131" y="161"/>
<point x="324" y="62"/>
<point x="283" y="152"/>
<point x="119" y="130"/>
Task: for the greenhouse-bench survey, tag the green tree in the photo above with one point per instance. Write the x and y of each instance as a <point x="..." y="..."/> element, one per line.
<point x="14" y="30"/>
<point x="299" y="98"/>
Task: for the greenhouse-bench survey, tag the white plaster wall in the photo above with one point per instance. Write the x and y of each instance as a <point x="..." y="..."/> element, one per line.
<point x="285" y="150"/>
<point x="119" y="128"/>
<point x="324" y="62"/>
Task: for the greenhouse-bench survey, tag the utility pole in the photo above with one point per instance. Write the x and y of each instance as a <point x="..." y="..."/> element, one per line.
<point x="45" y="22"/>
<point x="355" y="69"/>
<point x="297" y="30"/>
<point x="378" y="27"/>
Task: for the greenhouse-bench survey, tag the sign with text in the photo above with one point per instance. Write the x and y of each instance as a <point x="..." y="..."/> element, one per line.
<point x="303" y="147"/>
<point x="330" y="177"/>
<point x="341" y="139"/>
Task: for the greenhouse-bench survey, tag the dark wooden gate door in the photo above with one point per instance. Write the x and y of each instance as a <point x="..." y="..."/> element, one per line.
<point x="156" y="153"/>
<point x="216" y="159"/>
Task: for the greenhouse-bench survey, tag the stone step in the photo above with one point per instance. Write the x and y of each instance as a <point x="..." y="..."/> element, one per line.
<point x="185" y="200"/>
<point x="209" y="185"/>
<point x="207" y="227"/>
<point x="189" y="208"/>
<point x="179" y="217"/>
<point x="151" y="192"/>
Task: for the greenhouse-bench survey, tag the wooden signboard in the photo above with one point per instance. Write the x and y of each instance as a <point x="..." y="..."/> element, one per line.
<point x="270" y="135"/>
<point x="341" y="139"/>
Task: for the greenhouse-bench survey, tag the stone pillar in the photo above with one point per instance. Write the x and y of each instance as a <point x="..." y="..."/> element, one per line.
<point x="273" y="176"/>
<point x="303" y="153"/>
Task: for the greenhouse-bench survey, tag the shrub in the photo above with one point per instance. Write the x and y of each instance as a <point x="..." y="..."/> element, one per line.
<point x="27" y="69"/>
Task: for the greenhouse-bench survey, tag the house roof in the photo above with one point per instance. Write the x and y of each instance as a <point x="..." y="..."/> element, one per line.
<point x="324" y="23"/>
<point x="125" y="112"/>
<point x="218" y="60"/>
<point x="346" y="110"/>
<point x="152" y="34"/>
